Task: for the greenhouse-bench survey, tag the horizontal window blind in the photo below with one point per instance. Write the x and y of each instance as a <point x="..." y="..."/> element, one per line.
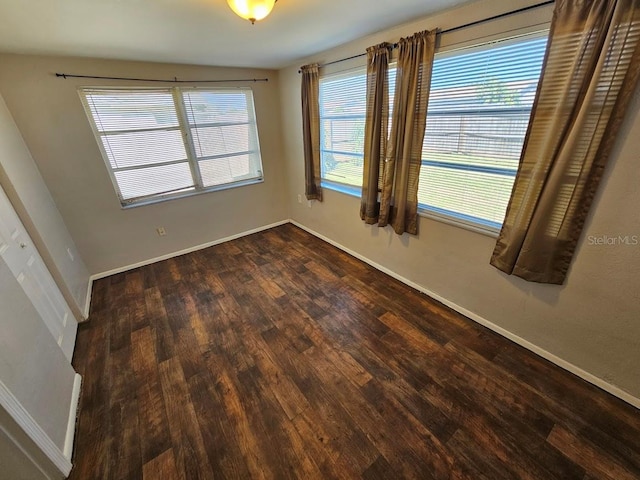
<point x="140" y="136"/>
<point x="343" y="109"/>
<point x="479" y="108"/>
<point x="162" y="143"/>
<point x="342" y="118"/>
<point x="224" y="133"/>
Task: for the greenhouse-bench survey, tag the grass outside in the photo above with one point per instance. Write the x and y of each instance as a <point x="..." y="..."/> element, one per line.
<point x="477" y="194"/>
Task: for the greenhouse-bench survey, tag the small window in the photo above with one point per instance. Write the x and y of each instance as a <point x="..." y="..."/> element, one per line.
<point x="342" y="119"/>
<point x="172" y="142"/>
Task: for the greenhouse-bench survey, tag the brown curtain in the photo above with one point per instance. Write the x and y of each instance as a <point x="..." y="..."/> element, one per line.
<point x="590" y="72"/>
<point x="311" y="131"/>
<point x="376" y="129"/>
<point x="399" y="196"/>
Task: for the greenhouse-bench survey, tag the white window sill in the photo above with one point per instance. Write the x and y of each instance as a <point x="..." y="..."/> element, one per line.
<point x="190" y="193"/>
<point x="439" y="217"/>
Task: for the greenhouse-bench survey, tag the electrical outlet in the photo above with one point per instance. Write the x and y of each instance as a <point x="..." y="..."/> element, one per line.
<point x="309" y="203"/>
<point x="70" y="254"/>
<point x="299" y="198"/>
<point x="161" y="231"/>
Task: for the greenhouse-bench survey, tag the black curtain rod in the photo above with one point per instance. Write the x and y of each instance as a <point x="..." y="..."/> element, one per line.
<point x="455" y="29"/>
<point x="500" y="15"/>
<point x="175" y="79"/>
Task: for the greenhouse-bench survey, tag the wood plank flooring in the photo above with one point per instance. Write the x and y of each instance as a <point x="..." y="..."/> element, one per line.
<point x="278" y="356"/>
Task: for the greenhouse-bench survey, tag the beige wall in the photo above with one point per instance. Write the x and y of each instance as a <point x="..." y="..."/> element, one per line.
<point x="23" y="184"/>
<point x="20" y="457"/>
<point x="50" y="117"/>
<point x="590" y="322"/>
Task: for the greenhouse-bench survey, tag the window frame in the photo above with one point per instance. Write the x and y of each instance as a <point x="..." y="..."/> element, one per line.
<point x="461" y="220"/>
<point x="470" y="222"/>
<point x="185" y="128"/>
<point x="334" y="184"/>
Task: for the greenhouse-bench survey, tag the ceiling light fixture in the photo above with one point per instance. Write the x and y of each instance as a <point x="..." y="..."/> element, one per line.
<point x="252" y="10"/>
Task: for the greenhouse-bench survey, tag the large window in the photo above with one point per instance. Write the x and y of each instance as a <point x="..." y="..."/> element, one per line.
<point x="171" y="142"/>
<point x="479" y="108"/>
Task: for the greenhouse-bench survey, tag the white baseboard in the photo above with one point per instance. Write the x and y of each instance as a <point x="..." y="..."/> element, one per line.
<point x="73" y="412"/>
<point x="26" y="422"/>
<point x="195" y="248"/>
<point x="598" y="382"/>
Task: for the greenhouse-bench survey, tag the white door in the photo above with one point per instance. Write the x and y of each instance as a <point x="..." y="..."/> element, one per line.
<point x="22" y="258"/>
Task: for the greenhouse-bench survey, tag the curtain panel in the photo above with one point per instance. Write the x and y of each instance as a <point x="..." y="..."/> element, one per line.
<point x="397" y="177"/>
<point x="399" y="197"/>
<point x="311" y="131"/>
<point x="589" y="75"/>
<point x="376" y="129"/>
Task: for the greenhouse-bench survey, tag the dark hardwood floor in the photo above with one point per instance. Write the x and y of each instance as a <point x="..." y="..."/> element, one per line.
<point x="279" y="356"/>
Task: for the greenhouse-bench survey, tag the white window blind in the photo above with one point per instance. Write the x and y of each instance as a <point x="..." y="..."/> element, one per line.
<point x="343" y="108"/>
<point x="479" y="108"/>
<point x="164" y="143"/>
<point x="342" y="118"/>
<point x="225" y="138"/>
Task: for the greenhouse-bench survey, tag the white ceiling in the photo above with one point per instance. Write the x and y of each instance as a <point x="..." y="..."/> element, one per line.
<point x="202" y="32"/>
